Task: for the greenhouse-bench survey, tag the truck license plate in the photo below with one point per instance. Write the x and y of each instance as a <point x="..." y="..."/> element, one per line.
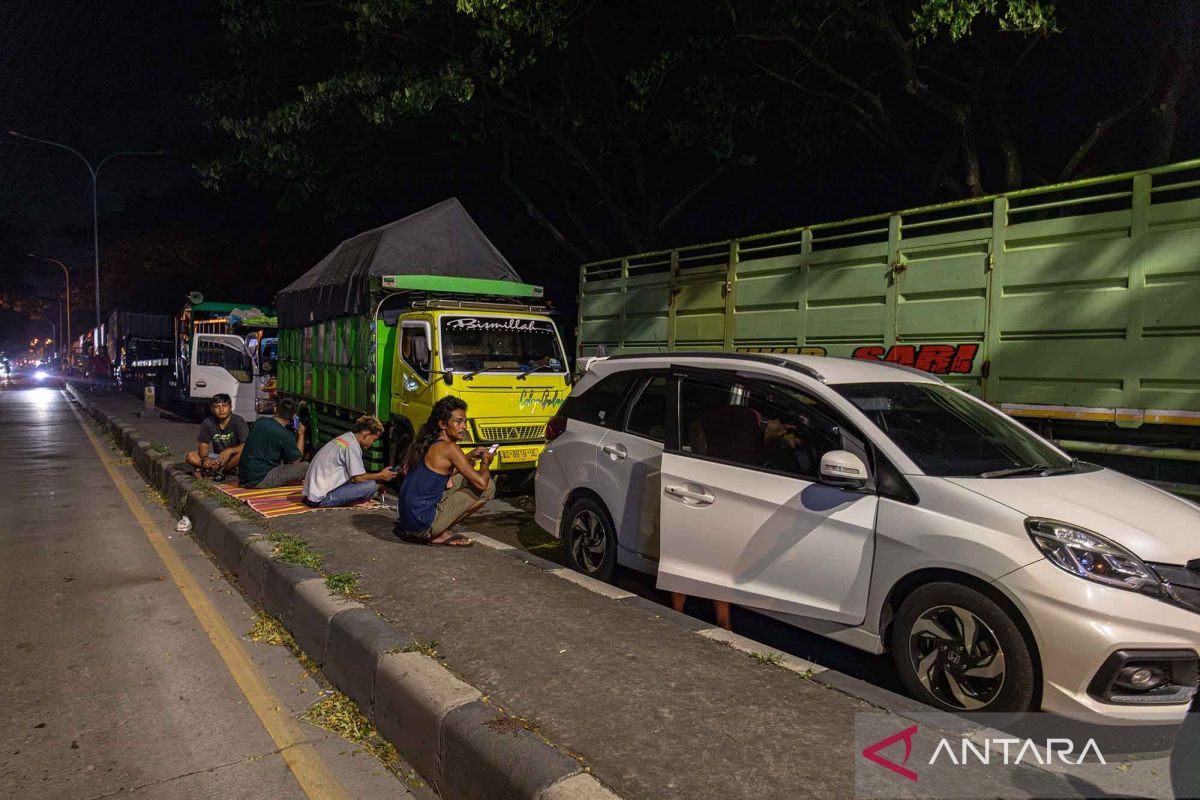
<point x="512" y="455"/>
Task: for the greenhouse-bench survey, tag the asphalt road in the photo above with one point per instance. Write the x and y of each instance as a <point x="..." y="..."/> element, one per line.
<point x="113" y="679"/>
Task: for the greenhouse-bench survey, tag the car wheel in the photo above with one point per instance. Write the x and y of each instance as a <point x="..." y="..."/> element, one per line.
<point x="591" y="539"/>
<point x="957" y="650"/>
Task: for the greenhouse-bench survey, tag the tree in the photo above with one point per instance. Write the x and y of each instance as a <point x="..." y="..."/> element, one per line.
<point x="944" y="85"/>
<point x="615" y="125"/>
<point x="581" y="108"/>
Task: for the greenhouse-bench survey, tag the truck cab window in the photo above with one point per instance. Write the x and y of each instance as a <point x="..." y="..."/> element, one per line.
<point x="236" y="362"/>
<point x="414" y="349"/>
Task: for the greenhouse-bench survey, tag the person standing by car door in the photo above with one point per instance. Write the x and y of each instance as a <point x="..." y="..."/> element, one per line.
<point x="1185" y="758"/>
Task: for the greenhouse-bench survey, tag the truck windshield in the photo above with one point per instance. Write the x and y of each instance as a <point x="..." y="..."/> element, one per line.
<point x="500" y="344"/>
<point x="949" y="435"/>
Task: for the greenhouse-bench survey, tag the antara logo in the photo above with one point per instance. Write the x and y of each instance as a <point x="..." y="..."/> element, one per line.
<point x="1009" y="752"/>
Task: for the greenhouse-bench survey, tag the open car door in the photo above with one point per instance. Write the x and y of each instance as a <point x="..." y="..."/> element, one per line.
<point x="744" y="516"/>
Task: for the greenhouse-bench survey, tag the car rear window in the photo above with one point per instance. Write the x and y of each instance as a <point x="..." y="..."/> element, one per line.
<point x="600" y="403"/>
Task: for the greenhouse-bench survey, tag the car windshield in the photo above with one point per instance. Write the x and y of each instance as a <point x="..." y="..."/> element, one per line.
<point x="500" y="344"/>
<point x="951" y="435"/>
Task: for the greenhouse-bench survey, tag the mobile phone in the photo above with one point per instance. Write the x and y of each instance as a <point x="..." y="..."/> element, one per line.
<point x="492" y="450"/>
<point x="296" y="421"/>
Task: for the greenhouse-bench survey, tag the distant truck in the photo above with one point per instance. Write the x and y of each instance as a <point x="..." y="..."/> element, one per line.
<point x="139" y="349"/>
<point x="397" y="318"/>
<point x="1072" y="307"/>
<point x="209" y="357"/>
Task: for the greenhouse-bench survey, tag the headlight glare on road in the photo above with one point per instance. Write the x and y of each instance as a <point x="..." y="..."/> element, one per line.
<point x="1091" y="556"/>
<point x="40" y="375"/>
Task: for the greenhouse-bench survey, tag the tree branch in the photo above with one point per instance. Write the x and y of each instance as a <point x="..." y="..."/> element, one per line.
<point x="536" y="213"/>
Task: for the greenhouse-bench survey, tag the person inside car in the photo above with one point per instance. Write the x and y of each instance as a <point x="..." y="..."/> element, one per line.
<point x="441" y="488"/>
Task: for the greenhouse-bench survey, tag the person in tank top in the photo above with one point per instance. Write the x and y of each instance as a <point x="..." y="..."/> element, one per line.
<point x="441" y="486"/>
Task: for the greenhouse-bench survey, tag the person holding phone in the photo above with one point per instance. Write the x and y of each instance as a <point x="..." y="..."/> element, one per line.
<point x="337" y="477"/>
<point x="441" y="486"/>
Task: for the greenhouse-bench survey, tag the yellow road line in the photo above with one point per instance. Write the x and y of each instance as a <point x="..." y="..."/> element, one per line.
<point x="301" y="757"/>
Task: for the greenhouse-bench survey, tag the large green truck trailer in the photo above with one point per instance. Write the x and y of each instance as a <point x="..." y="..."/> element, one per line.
<point x="1075" y="307"/>
<point x="396" y="318"/>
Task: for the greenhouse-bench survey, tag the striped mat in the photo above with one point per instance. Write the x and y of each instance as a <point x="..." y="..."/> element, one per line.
<point x="282" y="500"/>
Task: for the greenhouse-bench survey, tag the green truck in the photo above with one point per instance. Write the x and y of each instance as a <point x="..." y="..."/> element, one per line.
<point x="396" y="318"/>
<point x="1075" y="307"/>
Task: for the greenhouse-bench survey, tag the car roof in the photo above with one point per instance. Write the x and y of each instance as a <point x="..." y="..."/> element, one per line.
<point x="825" y="369"/>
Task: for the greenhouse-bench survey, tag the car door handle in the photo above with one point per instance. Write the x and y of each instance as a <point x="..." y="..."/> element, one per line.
<point x="201" y="384"/>
<point x="701" y="498"/>
<point x="617" y="451"/>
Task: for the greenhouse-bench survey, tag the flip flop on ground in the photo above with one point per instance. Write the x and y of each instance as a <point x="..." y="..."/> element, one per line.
<point x="453" y="540"/>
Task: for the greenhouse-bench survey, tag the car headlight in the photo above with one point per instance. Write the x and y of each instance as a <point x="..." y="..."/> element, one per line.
<point x="1089" y="555"/>
<point x="40" y="375"/>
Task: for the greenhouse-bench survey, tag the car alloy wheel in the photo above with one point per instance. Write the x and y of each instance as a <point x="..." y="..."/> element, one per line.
<point x="957" y="657"/>
<point x="591" y="538"/>
<point x="589" y="544"/>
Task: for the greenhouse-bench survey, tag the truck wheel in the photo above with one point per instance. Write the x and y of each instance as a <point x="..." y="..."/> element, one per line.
<point x="591" y="539"/>
<point x="957" y="650"/>
<point x="399" y="438"/>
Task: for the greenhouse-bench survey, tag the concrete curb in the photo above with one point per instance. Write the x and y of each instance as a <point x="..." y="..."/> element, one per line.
<point x="464" y="747"/>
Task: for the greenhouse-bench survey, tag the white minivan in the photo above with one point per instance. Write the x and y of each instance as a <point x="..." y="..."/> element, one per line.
<point x="880" y="507"/>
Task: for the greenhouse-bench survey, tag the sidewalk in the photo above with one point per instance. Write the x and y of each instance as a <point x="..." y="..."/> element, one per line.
<point x="651" y="708"/>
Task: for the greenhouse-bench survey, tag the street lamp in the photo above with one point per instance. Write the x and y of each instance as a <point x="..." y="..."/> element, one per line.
<point x="94" y="172"/>
<point x="67" y="273"/>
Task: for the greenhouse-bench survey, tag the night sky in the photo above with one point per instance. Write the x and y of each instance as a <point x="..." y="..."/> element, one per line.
<point x="121" y="75"/>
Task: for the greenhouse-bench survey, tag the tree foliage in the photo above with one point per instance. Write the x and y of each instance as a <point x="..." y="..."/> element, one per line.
<point x="612" y="123"/>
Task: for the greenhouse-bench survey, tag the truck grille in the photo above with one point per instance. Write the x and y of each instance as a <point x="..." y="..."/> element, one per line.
<point x="511" y="433"/>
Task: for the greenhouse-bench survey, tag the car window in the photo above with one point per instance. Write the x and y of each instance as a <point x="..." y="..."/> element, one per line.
<point x="648" y="414"/>
<point x="600" y="403"/>
<point x="947" y="434"/>
<point x="758" y="425"/>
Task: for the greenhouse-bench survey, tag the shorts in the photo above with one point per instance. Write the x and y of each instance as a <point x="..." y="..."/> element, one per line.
<point x="454" y="503"/>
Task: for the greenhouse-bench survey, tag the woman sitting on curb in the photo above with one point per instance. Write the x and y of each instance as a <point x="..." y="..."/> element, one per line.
<point x="440" y="487"/>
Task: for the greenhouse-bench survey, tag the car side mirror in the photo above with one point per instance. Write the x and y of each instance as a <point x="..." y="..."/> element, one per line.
<point x="844" y="469"/>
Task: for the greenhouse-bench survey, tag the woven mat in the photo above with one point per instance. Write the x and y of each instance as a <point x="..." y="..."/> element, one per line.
<point x="282" y="500"/>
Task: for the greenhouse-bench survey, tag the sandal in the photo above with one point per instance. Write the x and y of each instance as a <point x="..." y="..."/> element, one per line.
<point x="456" y="540"/>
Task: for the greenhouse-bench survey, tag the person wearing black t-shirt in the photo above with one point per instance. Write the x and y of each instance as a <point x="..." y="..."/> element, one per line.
<point x="220" y="440"/>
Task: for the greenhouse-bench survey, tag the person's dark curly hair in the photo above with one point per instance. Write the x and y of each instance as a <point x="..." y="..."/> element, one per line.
<point x="431" y="431"/>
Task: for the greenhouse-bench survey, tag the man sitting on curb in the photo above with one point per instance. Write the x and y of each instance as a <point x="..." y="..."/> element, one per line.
<point x="272" y="455"/>
<point x="219" y="444"/>
<point x="337" y="476"/>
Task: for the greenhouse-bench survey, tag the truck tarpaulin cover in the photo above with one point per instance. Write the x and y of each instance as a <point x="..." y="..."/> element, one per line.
<point x="441" y="240"/>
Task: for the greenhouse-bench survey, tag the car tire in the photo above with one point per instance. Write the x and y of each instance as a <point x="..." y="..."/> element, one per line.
<point x="591" y="539"/>
<point x="994" y="671"/>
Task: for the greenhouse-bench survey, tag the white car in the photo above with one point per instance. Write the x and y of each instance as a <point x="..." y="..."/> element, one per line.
<point x="880" y="507"/>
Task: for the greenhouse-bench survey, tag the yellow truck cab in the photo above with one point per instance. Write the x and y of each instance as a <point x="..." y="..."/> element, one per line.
<point x="396" y="318"/>
<point x="504" y="359"/>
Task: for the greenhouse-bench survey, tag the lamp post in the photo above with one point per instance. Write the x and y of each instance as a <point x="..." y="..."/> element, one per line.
<point x="67" y="304"/>
<point x="94" y="172"/>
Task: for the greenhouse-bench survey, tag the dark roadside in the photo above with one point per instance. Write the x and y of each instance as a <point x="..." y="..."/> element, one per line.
<point x="651" y="708"/>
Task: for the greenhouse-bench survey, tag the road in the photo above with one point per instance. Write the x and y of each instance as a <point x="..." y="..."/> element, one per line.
<point x="126" y="668"/>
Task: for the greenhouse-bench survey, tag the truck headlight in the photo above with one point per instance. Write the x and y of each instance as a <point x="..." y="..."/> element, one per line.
<point x="1089" y="555"/>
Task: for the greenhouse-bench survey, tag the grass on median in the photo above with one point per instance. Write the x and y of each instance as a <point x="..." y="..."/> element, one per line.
<point x="426" y="647"/>
<point x="337" y="713"/>
<point x="294" y="550"/>
<point x="268" y="630"/>
<point x="774" y="659"/>
<point x="161" y="449"/>
<point x="343" y="583"/>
